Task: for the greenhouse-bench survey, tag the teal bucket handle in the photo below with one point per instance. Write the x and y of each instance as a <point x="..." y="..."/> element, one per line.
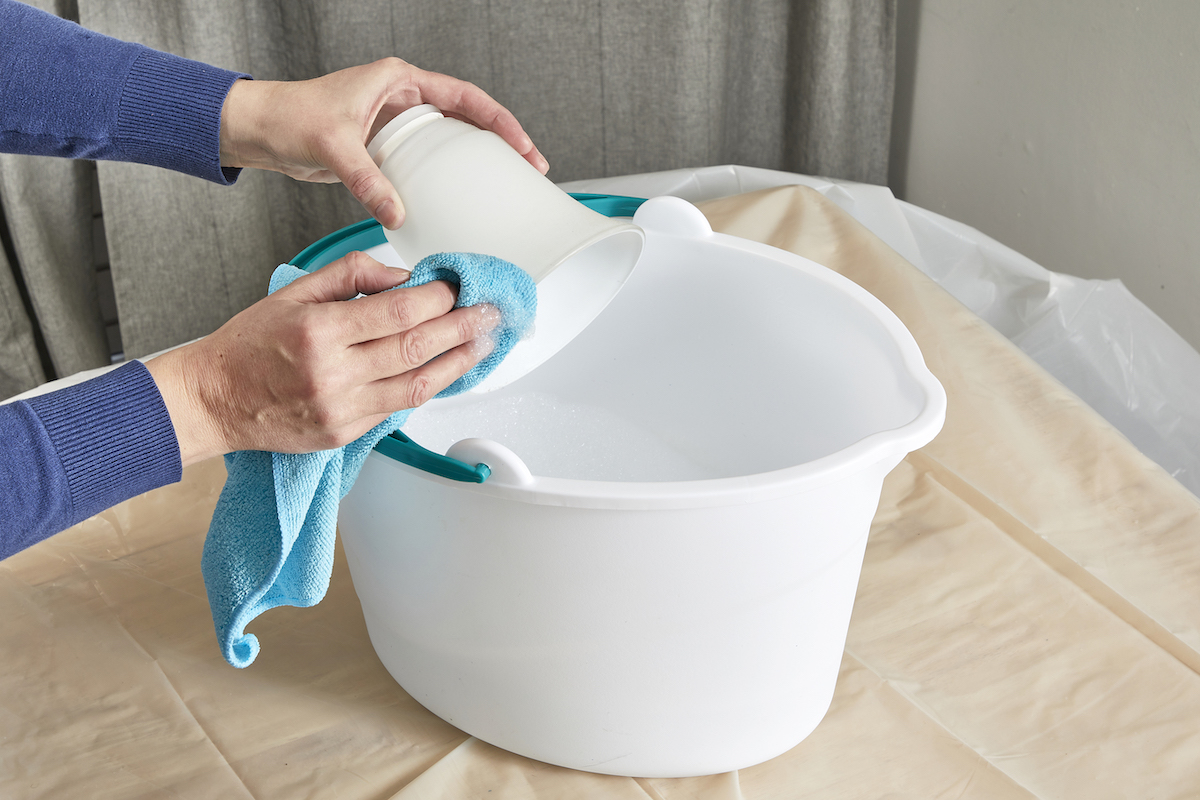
<point x="369" y="233"/>
<point x="398" y="446"/>
<point x="610" y="205"/>
<point x="359" y="236"/>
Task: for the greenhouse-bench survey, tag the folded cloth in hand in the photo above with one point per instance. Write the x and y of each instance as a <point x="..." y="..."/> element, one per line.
<point x="271" y="539"/>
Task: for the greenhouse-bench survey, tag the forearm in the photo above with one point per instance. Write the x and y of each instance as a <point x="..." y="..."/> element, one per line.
<point x="73" y="93"/>
<point x="72" y="453"/>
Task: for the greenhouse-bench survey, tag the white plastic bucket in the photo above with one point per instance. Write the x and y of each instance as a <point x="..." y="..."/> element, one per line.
<point x="657" y="578"/>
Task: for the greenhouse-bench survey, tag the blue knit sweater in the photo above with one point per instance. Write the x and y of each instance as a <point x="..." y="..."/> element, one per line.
<point x="66" y="91"/>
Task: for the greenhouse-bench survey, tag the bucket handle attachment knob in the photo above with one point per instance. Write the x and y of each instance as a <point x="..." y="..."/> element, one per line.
<point x="506" y="467"/>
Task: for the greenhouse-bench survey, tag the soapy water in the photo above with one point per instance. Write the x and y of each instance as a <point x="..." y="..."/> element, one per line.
<point x="556" y="438"/>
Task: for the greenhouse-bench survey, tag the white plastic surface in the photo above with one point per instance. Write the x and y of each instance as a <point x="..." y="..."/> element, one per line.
<point x="466" y="190"/>
<point x="1094" y="336"/>
<point x="506" y="467"/>
<point x="402" y="126"/>
<point x="658" y="577"/>
<point x="632" y="643"/>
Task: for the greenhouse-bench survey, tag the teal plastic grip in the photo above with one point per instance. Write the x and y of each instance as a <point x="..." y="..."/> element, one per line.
<point x="403" y="449"/>
<point x="610" y="205"/>
<point x="369" y="233"/>
<point x="359" y="236"/>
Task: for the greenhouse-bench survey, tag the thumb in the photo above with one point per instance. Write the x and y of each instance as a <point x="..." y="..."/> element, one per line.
<point x="351" y="275"/>
<point x="362" y="177"/>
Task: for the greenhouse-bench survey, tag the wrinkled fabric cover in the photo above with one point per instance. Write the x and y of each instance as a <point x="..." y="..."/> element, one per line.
<point x="1026" y="625"/>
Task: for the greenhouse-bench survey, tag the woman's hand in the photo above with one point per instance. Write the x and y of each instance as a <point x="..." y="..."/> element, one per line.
<point x="318" y="130"/>
<point x="307" y="369"/>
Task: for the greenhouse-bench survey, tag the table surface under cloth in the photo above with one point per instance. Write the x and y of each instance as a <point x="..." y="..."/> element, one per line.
<point x="1027" y="622"/>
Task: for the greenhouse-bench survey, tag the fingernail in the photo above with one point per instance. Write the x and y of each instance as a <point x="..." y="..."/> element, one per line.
<point x="389" y="214"/>
<point x="401" y="273"/>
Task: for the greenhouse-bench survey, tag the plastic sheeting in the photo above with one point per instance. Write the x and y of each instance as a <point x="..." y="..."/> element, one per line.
<point x="1095" y="337"/>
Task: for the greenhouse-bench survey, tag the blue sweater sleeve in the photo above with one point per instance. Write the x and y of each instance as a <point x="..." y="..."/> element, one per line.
<point x="73" y="453"/>
<point x="67" y="91"/>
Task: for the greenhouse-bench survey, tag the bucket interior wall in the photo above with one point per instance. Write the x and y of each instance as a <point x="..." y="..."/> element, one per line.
<point x="712" y="362"/>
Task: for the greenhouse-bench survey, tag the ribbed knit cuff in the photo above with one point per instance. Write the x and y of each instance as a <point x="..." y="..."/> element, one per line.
<point x="170" y="115"/>
<point x="113" y="436"/>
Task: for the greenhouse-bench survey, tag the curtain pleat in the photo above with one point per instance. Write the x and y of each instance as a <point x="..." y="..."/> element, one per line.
<point x="48" y="208"/>
<point x="841" y="67"/>
<point x="605" y="87"/>
<point x="20" y="366"/>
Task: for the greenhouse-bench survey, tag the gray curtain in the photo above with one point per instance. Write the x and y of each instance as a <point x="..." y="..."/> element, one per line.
<point x="605" y="87"/>
<point x="47" y="207"/>
<point x="19" y="363"/>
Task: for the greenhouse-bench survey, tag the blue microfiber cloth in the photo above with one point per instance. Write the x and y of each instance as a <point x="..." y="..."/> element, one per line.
<point x="271" y="539"/>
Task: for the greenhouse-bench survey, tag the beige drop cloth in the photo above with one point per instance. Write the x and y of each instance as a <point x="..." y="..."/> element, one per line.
<point x="1027" y="624"/>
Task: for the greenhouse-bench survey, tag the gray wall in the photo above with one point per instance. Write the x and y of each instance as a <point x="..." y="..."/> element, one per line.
<point x="1068" y="131"/>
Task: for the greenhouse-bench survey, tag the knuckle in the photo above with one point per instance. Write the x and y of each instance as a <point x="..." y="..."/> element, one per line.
<point x="464" y="360"/>
<point x="469" y="327"/>
<point x="401" y="315"/>
<point x="415" y="348"/>
<point x="362" y="182"/>
<point x="477" y="324"/>
<point x="309" y="335"/>
<point x="313" y="388"/>
<point x="302" y="347"/>
<point x="420" y="390"/>
<point x="324" y="416"/>
<point x="357" y="260"/>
